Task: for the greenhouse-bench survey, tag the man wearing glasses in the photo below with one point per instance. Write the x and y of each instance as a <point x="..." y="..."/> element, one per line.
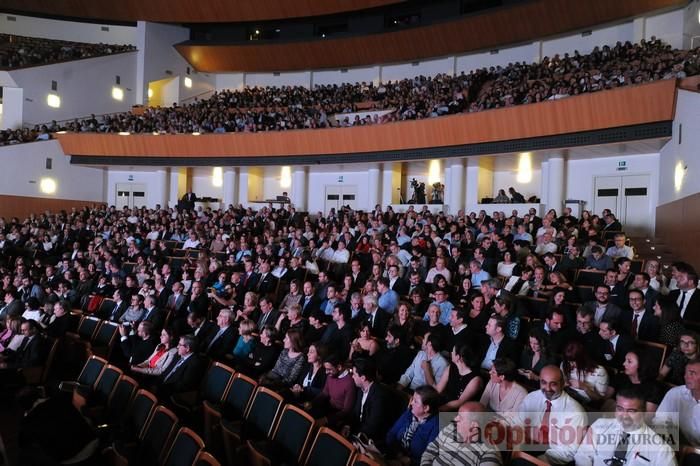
<point x="626" y="439"/>
<point x="637" y="321"/>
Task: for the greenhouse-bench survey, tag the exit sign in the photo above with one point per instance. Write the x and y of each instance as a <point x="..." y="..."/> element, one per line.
<point x="621" y="166"/>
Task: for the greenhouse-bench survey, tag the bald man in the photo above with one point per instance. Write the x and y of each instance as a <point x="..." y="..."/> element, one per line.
<point x="462" y="441"/>
<point x="546" y="412"/>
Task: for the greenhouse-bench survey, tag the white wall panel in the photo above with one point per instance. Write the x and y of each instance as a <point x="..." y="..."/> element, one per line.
<point x="67" y="30"/>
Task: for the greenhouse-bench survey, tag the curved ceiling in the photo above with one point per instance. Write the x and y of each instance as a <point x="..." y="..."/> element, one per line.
<point x="189" y="11"/>
<point x="512" y="25"/>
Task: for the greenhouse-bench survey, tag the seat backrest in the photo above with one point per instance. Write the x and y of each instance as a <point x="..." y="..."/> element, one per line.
<point x="52" y="344"/>
<point x="140" y="412"/>
<point x="184" y="449"/>
<point x="106" y="334"/>
<point x="654" y="353"/>
<point x="238" y="396"/>
<point x="589" y="277"/>
<point x="91" y="370"/>
<point x="293" y="432"/>
<point x="263" y="412"/>
<point x="88" y="327"/>
<point x="108" y="380"/>
<point x="206" y="459"/>
<point x="106" y="307"/>
<point x="216" y="382"/>
<point x="330" y="449"/>
<point x="120" y="398"/>
<point x="156" y="438"/>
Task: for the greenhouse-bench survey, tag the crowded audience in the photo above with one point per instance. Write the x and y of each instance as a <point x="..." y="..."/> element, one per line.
<point x="21" y="51"/>
<point x="456" y="336"/>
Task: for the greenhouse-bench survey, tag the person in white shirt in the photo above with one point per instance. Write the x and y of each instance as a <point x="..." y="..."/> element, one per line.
<point x="624" y="439"/>
<point x="547" y="245"/>
<point x="439" y="269"/>
<point x="340" y="255"/>
<point x="540" y="406"/>
<point x="620" y="249"/>
<point x="192" y="242"/>
<point x="681" y="405"/>
<point x="429" y="358"/>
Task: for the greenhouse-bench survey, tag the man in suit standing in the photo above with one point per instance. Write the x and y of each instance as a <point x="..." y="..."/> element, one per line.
<point x="177" y="300"/>
<point x="396" y="283"/>
<point x="686" y="296"/>
<point x="188" y="200"/>
<point x="185" y="372"/>
<point x="641" y="283"/>
<point x="120" y="306"/>
<point x="637" y="321"/>
<point x="309" y="303"/>
<point x="371" y="412"/>
<point x="267" y="283"/>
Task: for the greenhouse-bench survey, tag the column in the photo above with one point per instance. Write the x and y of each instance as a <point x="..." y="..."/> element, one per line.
<point x="544" y="184"/>
<point x="243" y="186"/>
<point x="373" y="181"/>
<point x="555" y="191"/>
<point x="455" y="186"/>
<point x="472" y="183"/>
<point x="229" y="187"/>
<point x="173" y="190"/>
<point x="163" y="188"/>
<point x="387" y="183"/>
<point x="299" y="188"/>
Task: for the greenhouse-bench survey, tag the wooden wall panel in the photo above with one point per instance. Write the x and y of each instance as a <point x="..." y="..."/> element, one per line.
<point x="189" y="11"/>
<point x="625" y="106"/>
<point x="678" y="227"/>
<point x="22" y="206"/>
<point x="508" y="25"/>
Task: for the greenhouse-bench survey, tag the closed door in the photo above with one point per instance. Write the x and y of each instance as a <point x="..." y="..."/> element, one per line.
<point x="130" y="195"/>
<point x="628" y="198"/>
<point x="338" y="196"/>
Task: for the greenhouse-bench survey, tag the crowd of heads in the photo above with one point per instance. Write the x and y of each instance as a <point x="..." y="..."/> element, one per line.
<point x="21" y="51"/>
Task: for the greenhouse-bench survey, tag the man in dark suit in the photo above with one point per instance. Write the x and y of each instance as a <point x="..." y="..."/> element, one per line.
<point x="641" y="282"/>
<point x="396" y="283"/>
<point x="309" y="303"/>
<point x="185" y="372"/>
<point x="221" y="343"/>
<point x="613" y="345"/>
<point x="250" y="277"/>
<point x="188" y="200"/>
<point x="377" y="319"/>
<point x="267" y="283"/>
<point x="371" y="414"/>
<point x="686" y="296"/>
<point x="199" y="301"/>
<point x="268" y="315"/>
<point x="59" y="322"/>
<point x="296" y="271"/>
<point x="358" y="276"/>
<point x="497" y="345"/>
<point x="121" y="304"/>
<point x="557" y="330"/>
<point x="338" y="334"/>
<point x="177" y="301"/>
<point x="137" y="348"/>
<point x="200" y="328"/>
<point x="14" y="307"/>
<point x="601" y="308"/>
<point x="31" y="353"/>
<point x="152" y="314"/>
<point x="637" y="321"/>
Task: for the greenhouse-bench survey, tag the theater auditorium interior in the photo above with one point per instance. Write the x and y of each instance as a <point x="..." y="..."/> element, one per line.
<point x="359" y="232"/>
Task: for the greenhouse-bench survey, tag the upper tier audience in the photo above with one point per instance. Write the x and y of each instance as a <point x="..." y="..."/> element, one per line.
<point x="256" y="109"/>
<point x="22" y="51"/>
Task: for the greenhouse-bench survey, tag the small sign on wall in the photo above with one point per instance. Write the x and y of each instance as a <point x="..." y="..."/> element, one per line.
<point x="131" y="178"/>
<point x="621" y="165"/>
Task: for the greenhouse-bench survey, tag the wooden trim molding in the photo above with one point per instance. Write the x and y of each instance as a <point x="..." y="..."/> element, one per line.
<point x="519" y="23"/>
<point x="678" y="227"/>
<point x="626" y="106"/>
<point x="22" y="206"/>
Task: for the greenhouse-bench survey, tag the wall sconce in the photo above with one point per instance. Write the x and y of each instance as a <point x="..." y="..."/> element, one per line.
<point x="217" y="177"/>
<point x="47" y="186"/>
<point x="188" y="81"/>
<point x="678" y="175"/>
<point x="524" y="168"/>
<point x="286" y="177"/>
<point x="53" y="100"/>
<point x="117" y="93"/>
